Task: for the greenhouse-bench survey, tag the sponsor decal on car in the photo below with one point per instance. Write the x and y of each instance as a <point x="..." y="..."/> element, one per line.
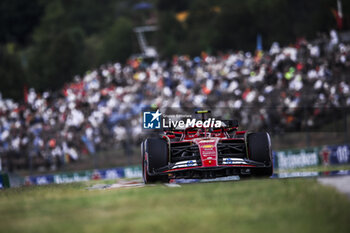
<point x="187" y="163"/>
<point x="233" y="161"/>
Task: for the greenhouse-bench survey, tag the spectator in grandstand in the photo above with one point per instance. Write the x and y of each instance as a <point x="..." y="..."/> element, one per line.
<point x="101" y="110"/>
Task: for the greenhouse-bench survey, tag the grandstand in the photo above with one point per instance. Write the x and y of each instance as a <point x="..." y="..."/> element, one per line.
<point x="300" y="88"/>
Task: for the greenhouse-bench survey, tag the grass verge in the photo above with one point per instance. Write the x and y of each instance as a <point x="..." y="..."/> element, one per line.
<point x="266" y="205"/>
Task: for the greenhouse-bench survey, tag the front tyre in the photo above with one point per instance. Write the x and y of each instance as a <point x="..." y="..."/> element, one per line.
<point x="259" y="149"/>
<point x="155" y="155"/>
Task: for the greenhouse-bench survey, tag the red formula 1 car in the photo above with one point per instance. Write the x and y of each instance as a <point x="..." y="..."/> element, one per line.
<point x="206" y="153"/>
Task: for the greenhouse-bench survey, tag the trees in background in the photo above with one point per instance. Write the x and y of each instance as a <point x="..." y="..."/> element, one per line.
<point x="43" y="44"/>
<point x="116" y="43"/>
<point x="11" y="72"/>
<point x="233" y="24"/>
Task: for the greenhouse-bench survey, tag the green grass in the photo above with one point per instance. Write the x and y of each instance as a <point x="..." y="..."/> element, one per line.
<point x="267" y="205"/>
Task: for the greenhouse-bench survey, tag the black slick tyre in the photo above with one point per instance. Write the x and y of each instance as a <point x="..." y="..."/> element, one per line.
<point x="155" y="155"/>
<point x="259" y="149"/>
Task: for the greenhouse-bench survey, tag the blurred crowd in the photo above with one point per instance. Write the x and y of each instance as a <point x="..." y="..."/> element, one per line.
<point x="281" y="89"/>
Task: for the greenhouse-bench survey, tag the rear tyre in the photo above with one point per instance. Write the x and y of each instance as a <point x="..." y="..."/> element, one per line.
<point x="155" y="155"/>
<point x="259" y="149"/>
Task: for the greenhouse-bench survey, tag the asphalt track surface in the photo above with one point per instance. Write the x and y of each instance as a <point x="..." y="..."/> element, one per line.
<point x="340" y="180"/>
<point x="341" y="183"/>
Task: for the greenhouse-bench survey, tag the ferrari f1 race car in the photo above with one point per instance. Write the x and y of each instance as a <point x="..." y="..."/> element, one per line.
<point x="205" y="153"/>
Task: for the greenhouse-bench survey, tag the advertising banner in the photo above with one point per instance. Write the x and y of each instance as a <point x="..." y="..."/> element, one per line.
<point x="133" y="172"/>
<point x="113" y="173"/>
<point x="274" y="160"/>
<point x="72" y="177"/>
<point x="40" y="180"/>
<point x="4" y="181"/>
<point x="290" y="159"/>
<point x="339" y="154"/>
<point x="110" y="173"/>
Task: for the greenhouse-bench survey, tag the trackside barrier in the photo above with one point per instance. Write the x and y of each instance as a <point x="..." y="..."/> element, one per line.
<point x="111" y="173"/>
<point x="284" y="159"/>
<point x="299" y="158"/>
<point x="310" y="174"/>
<point x="4" y="181"/>
<point x="335" y="154"/>
<point x="290" y="159"/>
